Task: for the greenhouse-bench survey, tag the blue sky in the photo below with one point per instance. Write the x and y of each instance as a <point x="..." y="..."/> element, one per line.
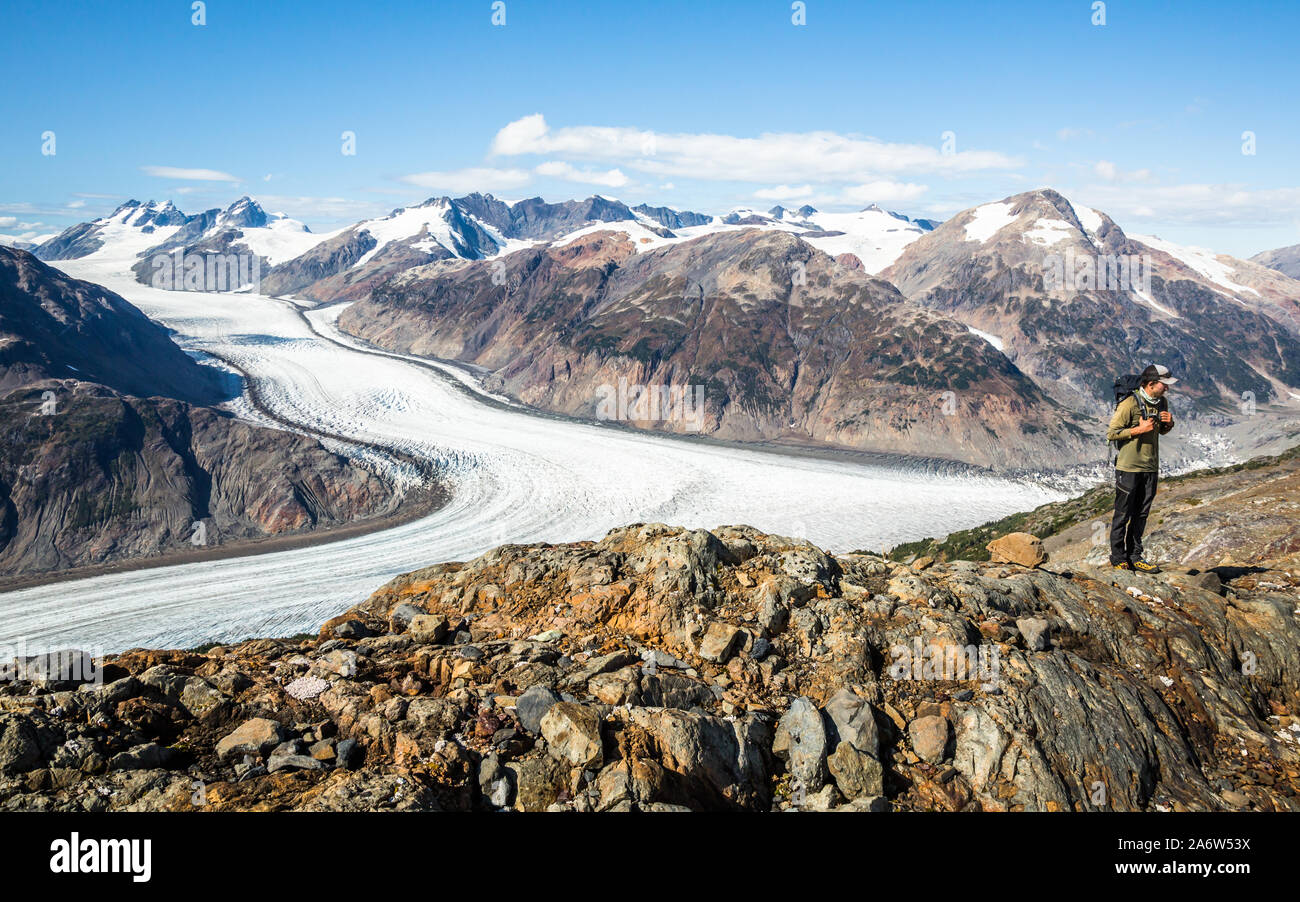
<point x="701" y="105"/>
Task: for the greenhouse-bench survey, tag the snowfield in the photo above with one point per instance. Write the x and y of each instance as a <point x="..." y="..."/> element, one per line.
<point x="514" y="476"/>
<point x="988" y="220"/>
<point x="1203" y="262"/>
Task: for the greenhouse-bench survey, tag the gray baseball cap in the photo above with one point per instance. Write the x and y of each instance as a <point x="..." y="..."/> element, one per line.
<point x="1157" y="373"/>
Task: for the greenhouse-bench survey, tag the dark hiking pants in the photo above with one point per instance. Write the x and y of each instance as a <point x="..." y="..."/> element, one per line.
<point x="1134" y="493"/>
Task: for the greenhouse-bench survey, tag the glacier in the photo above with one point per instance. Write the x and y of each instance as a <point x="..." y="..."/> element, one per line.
<point x="515" y="476"/>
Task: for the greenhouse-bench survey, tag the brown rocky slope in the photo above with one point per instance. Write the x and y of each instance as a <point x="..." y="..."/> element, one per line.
<point x="110" y="450"/>
<point x="115" y="478"/>
<point x="785" y="343"/>
<point x="663" y="668"/>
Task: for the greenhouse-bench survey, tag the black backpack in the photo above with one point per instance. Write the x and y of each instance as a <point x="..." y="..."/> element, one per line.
<point x="1125" y="386"/>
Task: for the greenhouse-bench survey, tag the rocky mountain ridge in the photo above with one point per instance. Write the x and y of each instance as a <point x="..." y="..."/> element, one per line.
<point x="348" y="262"/>
<point x="1228" y="333"/>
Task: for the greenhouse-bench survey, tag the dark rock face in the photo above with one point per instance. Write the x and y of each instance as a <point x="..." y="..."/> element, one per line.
<point x="223" y="243"/>
<point x="784" y="342"/>
<point x="321" y="262"/>
<point x="244" y="213"/>
<point x="56" y="327"/>
<point x="1133" y="702"/>
<point x="109" y="453"/>
<point x="535" y="218"/>
<point x="673" y="219"/>
<point x="110" y="477"/>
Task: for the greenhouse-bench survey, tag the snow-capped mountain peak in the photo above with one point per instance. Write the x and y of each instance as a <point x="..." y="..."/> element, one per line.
<point x="244" y="213"/>
<point x="151" y="213"/>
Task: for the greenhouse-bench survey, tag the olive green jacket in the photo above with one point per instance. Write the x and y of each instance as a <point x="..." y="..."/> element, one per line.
<point x="1141" y="453"/>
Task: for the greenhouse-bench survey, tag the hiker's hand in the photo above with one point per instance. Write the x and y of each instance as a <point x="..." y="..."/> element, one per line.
<point x="1143" y="427"/>
<point x="1166" y="417"/>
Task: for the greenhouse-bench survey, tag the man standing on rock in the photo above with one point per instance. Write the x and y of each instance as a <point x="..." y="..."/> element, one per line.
<point x="1139" y="421"/>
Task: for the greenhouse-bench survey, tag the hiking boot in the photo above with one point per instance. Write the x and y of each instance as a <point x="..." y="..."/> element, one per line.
<point x="1122" y="565"/>
<point x="1144" y="567"/>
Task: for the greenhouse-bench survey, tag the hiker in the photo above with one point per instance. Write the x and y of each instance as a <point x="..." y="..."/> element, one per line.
<point x="1139" y="421"/>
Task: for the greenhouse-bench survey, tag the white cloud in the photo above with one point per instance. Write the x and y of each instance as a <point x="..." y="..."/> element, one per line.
<point x="323" y="210"/>
<point x="612" y="178"/>
<point x="883" y="192"/>
<point x="771" y="157"/>
<point x="1193" y="204"/>
<point x="460" y="181"/>
<point x="1110" y="172"/>
<point x="13" y="222"/>
<point x="31" y="209"/>
<point x="195" y="175"/>
<point x="520" y="136"/>
<point x="1069" y="134"/>
<point x="785" y="192"/>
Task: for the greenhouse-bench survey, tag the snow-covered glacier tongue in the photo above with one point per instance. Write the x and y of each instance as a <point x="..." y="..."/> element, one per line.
<point x="513" y="476"/>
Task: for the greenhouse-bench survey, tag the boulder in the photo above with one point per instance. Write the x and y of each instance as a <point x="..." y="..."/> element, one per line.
<point x="572" y="734"/>
<point x="853" y="722"/>
<point x="1036" y="633"/>
<point x="340" y="661"/>
<point x="635" y="780"/>
<point x="142" y="757"/>
<point x="532" y="705"/>
<point x="801" y="742"/>
<point x="538" y="782"/>
<point x="20" y="746"/>
<point x="198" y="696"/>
<point x="349" y="754"/>
<point x="856" y="773"/>
<point x="929" y="737"/>
<point x="278" y="763"/>
<point x="253" y="737"/>
<point x="715" y="763"/>
<point x="401" y="616"/>
<point x="1017" y="548"/>
<point x="352" y="629"/>
<point x="720" y="642"/>
<point x="429" y="629"/>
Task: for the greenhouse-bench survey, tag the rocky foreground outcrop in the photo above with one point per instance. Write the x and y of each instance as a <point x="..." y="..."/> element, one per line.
<point x="664" y="669"/>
